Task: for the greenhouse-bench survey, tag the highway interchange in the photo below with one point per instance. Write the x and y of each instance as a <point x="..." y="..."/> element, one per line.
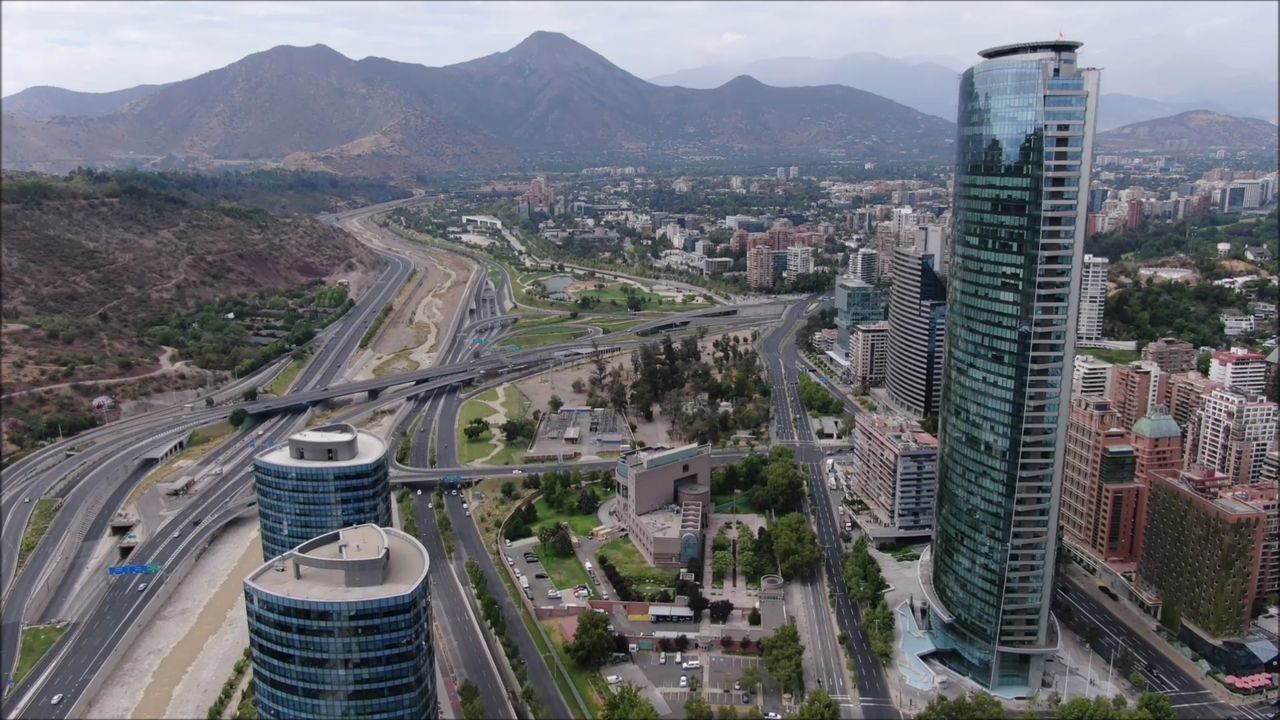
<point x="94" y="482"/>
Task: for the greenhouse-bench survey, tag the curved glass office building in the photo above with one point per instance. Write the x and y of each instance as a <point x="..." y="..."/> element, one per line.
<point x="340" y="627"/>
<point x="1026" y="123"/>
<point x="326" y="478"/>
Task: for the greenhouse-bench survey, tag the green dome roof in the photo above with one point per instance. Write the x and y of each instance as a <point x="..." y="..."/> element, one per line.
<point x="1157" y="425"/>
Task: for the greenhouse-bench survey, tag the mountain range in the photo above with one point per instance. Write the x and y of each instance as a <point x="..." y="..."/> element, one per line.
<point x="547" y="99"/>
<point x="1195" y="130"/>
<point x="931" y="87"/>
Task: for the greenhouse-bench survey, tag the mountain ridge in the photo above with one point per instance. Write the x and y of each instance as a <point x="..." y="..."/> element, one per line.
<point x="547" y="97"/>
<point x="1193" y="130"/>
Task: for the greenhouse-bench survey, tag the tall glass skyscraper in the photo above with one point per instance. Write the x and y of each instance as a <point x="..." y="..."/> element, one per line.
<point x="340" y="627"/>
<point x="1026" y="125"/>
<point x="326" y="478"/>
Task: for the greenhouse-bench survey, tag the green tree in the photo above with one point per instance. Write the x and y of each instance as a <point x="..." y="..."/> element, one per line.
<point x="555" y="403"/>
<point x="508" y="490"/>
<point x="753" y="713"/>
<point x="250" y="394"/>
<point x="721" y="563"/>
<point x="592" y="644"/>
<point x="782" y="654"/>
<point x="726" y="712"/>
<point x="795" y="545"/>
<point x="238" y="416"/>
<point x="1084" y="709"/>
<point x="819" y="706"/>
<point x="978" y="706"/>
<point x="476" y="428"/>
<point x="1156" y="706"/>
<point x="626" y="703"/>
<point x="697" y="708"/>
<point x="750" y="678"/>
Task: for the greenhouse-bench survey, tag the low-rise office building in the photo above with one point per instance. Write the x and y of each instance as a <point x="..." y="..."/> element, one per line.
<point x="664" y="501"/>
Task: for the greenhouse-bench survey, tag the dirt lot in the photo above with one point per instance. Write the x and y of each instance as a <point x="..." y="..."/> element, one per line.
<point x="409" y="336"/>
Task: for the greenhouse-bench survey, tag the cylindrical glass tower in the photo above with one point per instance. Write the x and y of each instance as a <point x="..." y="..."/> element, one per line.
<point x="324" y="479"/>
<point x="1026" y="124"/>
<point x="340" y="627"/>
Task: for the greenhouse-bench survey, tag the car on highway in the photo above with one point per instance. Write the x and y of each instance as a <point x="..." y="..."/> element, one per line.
<point x="431" y="506"/>
<point x="517" y="471"/>
<point x="177" y="533"/>
<point x="26" y="500"/>
<point x="467" y="513"/>
<point x="142" y="586"/>
<point x="56" y="699"/>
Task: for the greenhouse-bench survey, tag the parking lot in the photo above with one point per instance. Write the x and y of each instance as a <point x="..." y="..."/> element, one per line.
<point x="538" y="586"/>
<point x="714" y="680"/>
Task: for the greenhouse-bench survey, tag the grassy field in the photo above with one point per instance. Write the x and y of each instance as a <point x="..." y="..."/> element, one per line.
<point x="585" y="680"/>
<point x="36" y="641"/>
<point x="281" y="384"/>
<point x="541" y="337"/>
<point x="631" y="565"/>
<point x="37" y="526"/>
<point x="210" y="434"/>
<point x="514" y="405"/>
<point x="581" y="524"/>
<point x="1112" y="356"/>
<point x="566" y="572"/>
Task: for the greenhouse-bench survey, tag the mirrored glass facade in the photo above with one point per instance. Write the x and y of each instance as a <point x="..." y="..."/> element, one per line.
<point x="316" y="655"/>
<point x="296" y="503"/>
<point x="1025" y="118"/>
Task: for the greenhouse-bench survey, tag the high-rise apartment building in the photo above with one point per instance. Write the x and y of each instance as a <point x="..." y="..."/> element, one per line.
<point x="865" y="265"/>
<point x="1024" y="147"/>
<point x="1157" y="444"/>
<point x="1101" y="501"/>
<point x="323" y="479"/>
<point x="1236" y="431"/>
<point x="868" y="354"/>
<point x="760" y="267"/>
<point x="895" y="471"/>
<point x="856" y="302"/>
<point x="917" y="327"/>
<point x="1171" y="354"/>
<point x="1135" y="388"/>
<point x="1202" y="552"/>
<point x="799" y="262"/>
<point x="1091" y="376"/>
<point x="1093" y="297"/>
<point x="1241" y="369"/>
<point x="340" y="627"/>
<point x="1184" y="394"/>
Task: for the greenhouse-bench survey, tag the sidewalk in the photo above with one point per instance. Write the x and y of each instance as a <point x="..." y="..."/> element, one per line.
<point x="1144" y="624"/>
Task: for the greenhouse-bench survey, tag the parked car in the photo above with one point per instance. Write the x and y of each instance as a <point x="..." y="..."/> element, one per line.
<point x="613" y="679"/>
<point x="684" y="681"/>
<point x="540" y="576"/>
<point x="662" y="659"/>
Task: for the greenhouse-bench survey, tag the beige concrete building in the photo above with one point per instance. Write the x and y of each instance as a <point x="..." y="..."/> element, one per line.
<point x="664" y="501"/>
<point x="868" y="354"/>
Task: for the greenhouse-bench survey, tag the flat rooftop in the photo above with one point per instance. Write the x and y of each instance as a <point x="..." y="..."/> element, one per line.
<point x="363" y="562"/>
<point x="369" y="447"/>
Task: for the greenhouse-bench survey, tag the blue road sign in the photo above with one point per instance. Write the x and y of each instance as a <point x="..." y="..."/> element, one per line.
<point x="151" y="569"/>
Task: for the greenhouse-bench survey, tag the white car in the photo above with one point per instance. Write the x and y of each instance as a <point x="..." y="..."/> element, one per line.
<point x="684" y="681"/>
<point x="142" y="586"/>
<point x="774" y="716"/>
<point x="419" y="491"/>
<point x="177" y="533"/>
<point x="56" y="699"/>
<point x="508" y="543"/>
<point x="431" y="506"/>
<point x="517" y="471"/>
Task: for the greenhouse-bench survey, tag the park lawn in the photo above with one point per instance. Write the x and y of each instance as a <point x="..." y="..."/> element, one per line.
<point x="740" y="505"/>
<point x="470" y="450"/>
<point x="514" y="402"/>
<point x="580" y="524"/>
<point x="565" y="572"/>
<point x="541" y="338"/>
<point x="632" y="565"/>
<point x="1107" y="355"/>
<point x="281" y="384"/>
<point x="36" y="641"/>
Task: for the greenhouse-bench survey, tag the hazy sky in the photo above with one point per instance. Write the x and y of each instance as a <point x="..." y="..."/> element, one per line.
<point x="1147" y="48"/>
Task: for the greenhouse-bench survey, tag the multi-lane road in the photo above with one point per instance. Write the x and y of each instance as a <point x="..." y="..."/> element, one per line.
<point x="792" y="429"/>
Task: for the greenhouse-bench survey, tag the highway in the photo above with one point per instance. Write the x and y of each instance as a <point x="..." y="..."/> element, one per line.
<point x="792" y="428"/>
<point x="112" y="467"/>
